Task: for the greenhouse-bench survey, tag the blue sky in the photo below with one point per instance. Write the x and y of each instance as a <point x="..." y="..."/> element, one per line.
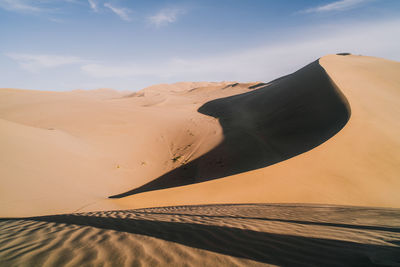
<point x="127" y="45"/>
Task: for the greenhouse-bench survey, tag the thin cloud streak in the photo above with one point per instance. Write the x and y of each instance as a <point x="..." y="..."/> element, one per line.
<point x="116" y="71"/>
<point x="20" y="6"/>
<point x="165" y="16"/>
<point x="93" y="5"/>
<point x="35" y="63"/>
<point x="336" y="6"/>
<point x="123" y="13"/>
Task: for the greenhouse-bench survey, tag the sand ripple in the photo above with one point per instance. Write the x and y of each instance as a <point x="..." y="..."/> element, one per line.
<point x="210" y="235"/>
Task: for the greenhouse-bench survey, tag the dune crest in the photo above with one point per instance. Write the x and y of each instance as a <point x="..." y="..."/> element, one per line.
<point x="280" y="120"/>
<point x="357" y="166"/>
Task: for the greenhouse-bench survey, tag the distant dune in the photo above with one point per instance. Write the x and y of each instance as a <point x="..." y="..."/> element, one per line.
<point x="327" y="133"/>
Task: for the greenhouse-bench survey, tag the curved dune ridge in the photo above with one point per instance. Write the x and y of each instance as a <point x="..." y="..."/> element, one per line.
<point x="277" y="121"/>
<point x="202" y="143"/>
<point x="210" y="235"/>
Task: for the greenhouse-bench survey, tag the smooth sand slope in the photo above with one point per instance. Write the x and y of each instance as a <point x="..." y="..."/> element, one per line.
<point x="64" y="151"/>
<point x="68" y="151"/>
<point x="215" y="235"/>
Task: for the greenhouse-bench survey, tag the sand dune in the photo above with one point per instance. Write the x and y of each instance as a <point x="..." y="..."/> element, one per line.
<point x="64" y="151"/>
<point x="328" y="133"/>
<point x="213" y="235"/>
<point x="278" y="121"/>
<point x="277" y="142"/>
<point x="358" y="166"/>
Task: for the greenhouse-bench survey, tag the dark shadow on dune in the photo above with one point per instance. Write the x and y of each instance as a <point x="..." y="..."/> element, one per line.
<point x="280" y="120"/>
<point x="271" y="248"/>
<point x="256" y="86"/>
<point x="329" y="224"/>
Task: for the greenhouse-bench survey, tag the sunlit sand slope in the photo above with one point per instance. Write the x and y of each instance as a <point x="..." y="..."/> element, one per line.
<point x="283" y="119"/>
<point x="68" y="151"/>
<point x="360" y="165"/>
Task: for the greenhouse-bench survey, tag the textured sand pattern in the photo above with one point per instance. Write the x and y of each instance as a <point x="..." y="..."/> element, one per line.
<point x="210" y="235"/>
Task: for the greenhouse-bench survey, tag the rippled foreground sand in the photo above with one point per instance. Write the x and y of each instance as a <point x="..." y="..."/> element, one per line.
<point x="209" y="235"/>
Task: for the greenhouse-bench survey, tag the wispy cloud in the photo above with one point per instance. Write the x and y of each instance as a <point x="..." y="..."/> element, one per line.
<point x="336" y="6"/>
<point x="93" y="5"/>
<point x="122" y="12"/>
<point x="165" y="16"/>
<point x="115" y="71"/>
<point x="23" y="6"/>
<point x="34" y="62"/>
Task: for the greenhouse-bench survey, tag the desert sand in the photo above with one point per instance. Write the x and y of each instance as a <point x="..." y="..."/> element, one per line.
<point x="280" y="142"/>
<point x="211" y="235"/>
<point x="324" y="136"/>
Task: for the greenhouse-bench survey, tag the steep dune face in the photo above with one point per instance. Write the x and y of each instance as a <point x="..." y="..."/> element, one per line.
<point x="357" y="166"/>
<point x="278" y="121"/>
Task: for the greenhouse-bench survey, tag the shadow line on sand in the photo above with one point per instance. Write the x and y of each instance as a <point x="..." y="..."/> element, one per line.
<point x="284" y="118"/>
<point x="271" y="248"/>
<point x="329" y="224"/>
